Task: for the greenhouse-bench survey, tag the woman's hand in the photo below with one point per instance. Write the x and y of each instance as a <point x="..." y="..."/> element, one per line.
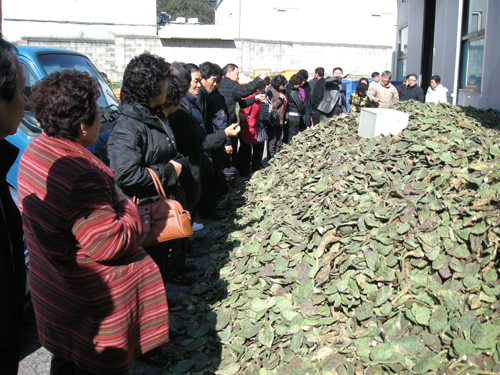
<point x="260" y="97"/>
<point x="178" y="168"/>
<point x="232" y="130"/>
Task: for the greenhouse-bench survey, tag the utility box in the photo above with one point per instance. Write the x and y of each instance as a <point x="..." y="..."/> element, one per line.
<point x="381" y="121"/>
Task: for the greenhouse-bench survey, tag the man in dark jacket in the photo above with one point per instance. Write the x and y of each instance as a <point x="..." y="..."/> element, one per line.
<point x="333" y="98"/>
<point x="318" y="74"/>
<point x="208" y="72"/>
<point x="233" y="92"/>
<point x="192" y="140"/>
<point x="317" y="91"/>
<point x="412" y="91"/>
<point x="12" y="267"/>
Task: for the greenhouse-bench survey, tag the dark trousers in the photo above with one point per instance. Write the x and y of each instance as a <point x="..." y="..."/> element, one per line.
<point x="250" y="154"/>
<point x="170" y="257"/>
<point x="232" y="160"/>
<point x="274" y="140"/>
<point x="63" y="366"/>
<point x="208" y="201"/>
<point x="315" y="114"/>
<point x="10" y="346"/>
<point x="293" y="128"/>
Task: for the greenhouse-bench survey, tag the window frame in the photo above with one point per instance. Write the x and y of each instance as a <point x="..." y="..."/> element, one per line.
<point x="466" y="39"/>
<point x="401" y="59"/>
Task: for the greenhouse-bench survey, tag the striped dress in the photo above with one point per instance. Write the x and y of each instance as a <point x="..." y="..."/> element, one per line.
<point x="98" y="297"/>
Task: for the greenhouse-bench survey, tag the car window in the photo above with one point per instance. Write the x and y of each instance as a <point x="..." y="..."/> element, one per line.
<point x="29" y="82"/>
<point x="57" y="62"/>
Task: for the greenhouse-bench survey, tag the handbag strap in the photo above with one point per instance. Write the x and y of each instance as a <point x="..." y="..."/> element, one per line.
<point x="158" y="186"/>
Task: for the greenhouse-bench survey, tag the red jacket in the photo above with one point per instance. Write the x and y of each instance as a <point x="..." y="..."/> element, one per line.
<point x="99" y="299"/>
<point x="249" y="122"/>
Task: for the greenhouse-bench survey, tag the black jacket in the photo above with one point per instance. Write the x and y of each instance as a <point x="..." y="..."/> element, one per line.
<point x="202" y="102"/>
<point x="294" y="101"/>
<point x="307" y="104"/>
<point x="233" y="92"/>
<point x="139" y="140"/>
<point x="218" y="118"/>
<point x="192" y="140"/>
<point x="333" y="96"/>
<point x="317" y="95"/>
<point x="12" y="267"/>
<point x="413" y="92"/>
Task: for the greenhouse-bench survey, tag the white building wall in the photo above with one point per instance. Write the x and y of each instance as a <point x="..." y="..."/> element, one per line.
<point x="85" y="19"/>
<point x="365" y="22"/>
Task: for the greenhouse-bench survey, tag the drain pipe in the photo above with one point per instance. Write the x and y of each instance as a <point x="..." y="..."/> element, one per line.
<point x="457" y="55"/>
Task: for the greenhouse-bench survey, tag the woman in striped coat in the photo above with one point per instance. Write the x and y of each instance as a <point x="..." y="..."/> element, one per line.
<point x="98" y="297"/>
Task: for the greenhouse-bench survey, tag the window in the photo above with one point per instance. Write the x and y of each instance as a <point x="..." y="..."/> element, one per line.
<point x="402" y="50"/>
<point x="29" y="82"/>
<point x="472" y="50"/>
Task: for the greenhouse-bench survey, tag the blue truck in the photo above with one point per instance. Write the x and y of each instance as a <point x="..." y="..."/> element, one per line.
<point x="39" y="62"/>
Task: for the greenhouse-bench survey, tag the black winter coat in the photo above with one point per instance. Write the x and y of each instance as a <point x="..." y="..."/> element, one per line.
<point x="413" y="92"/>
<point x="317" y="95"/>
<point x="294" y="101"/>
<point x="218" y="114"/>
<point x="139" y="140"/>
<point x="192" y="142"/>
<point x="12" y="267"/>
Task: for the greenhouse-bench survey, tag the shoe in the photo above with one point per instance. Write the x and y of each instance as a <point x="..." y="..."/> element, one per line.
<point x="190" y="268"/>
<point x="197" y="226"/>
<point x="181" y="280"/>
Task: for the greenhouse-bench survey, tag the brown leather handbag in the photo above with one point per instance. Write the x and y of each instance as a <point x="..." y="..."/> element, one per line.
<point x="163" y="220"/>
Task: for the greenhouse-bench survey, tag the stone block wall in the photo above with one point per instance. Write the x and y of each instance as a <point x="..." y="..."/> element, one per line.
<point x="112" y="56"/>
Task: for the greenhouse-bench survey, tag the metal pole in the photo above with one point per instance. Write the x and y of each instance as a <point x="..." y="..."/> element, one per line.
<point x="458" y="53"/>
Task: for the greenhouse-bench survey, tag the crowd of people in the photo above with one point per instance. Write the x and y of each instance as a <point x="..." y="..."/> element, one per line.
<point x="99" y="297"/>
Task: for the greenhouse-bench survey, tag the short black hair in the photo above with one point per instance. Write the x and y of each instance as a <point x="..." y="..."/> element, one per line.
<point x="143" y="78"/>
<point x="278" y="81"/>
<point x="193" y="67"/>
<point x="338" y="68"/>
<point x="436" y="79"/>
<point x="63" y="100"/>
<point x="267" y="81"/>
<point x="374" y="74"/>
<point x="183" y="72"/>
<point x="175" y="91"/>
<point x="219" y="73"/>
<point x="320" y="71"/>
<point x="412" y="75"/>
<point x="228" y="69"/>
<point x="261" y="85"/>
<point x="8" y="70"/>
<point x="361" y="87"/>
<point x="304" y="74"/>
<point x="207" y="70"/>
<point x="363" y="79"/>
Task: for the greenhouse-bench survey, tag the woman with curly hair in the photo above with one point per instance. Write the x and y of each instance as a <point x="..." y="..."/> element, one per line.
<point x="141" y="138"/>
<point x="99" y="299"/>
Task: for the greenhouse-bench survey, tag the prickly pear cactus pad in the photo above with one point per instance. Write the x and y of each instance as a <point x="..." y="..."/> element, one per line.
<point x="367" y="256"/>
